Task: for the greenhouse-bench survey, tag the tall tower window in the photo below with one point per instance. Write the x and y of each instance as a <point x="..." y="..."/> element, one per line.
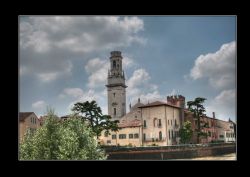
<point x="145" y="124"/>
<point x="114" y="64"/>
<point x="114" y="95"/>
<point x="114" y="111"/>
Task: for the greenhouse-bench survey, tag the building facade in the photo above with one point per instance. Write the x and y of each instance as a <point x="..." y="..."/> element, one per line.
<point x="216" y="130"/>
<point x="27" y="121"/>
<point x="161" y="124"/>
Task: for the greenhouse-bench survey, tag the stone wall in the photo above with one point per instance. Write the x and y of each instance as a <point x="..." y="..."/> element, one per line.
<point x="169" y="152"/>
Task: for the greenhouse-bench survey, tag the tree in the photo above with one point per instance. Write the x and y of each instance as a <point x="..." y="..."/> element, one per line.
<point x="67" y="140"/>
<point x="92" y="114"/>
<point x="197" y="108"/>
<point x="186" y="132"/>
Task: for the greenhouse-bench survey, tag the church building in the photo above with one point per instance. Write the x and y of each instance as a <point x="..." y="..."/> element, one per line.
<point x="156" y="123"/>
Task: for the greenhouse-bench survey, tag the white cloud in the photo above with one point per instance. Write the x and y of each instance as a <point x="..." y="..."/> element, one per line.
<point x="39" y="105"/>
<point x="218" y="67"/>
<point x="72" y="92"/>
<point x="127" y="62"/>
<point x="139" y="86"/>
<point x="223" y="105"/>
<point x="79" y="34"/>
<point x="98" y="70"/>
<point x="23" y="70"/>
<point x="47" y="77"/>
<point x="139" y="77"/>
<point x="48" y="43"/>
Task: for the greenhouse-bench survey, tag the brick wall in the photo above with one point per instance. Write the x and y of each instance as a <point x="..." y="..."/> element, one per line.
<point x="166" y="153"/>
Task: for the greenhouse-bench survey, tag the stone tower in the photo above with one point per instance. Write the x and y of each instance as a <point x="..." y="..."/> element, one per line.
<point x="116" y="87"/>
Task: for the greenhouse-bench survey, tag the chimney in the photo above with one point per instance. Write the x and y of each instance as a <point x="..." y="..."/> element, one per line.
<point x="214" y="115"/>
<point x="130" y="106"/>
<point x="139" y="100"/>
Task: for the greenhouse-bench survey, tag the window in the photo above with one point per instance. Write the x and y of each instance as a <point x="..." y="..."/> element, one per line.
<point x="159" y="123"/>
<point x="35" y="120"/>
<point x="169" y="136"/>
<point x="175" y="123"/>
<point x="171" y="122"/>
<point x="130" y="136"/>
<point x="114" y="64"/>
<point x="113" y="136"/>
<point x="106" y="134"/>
<point x="114" y="95"/>
<point x="136" y="136"/>
<point x="168" y="122"/>
<point x="122" y="136"/>
<point x="144" y="136"/>
<point x="221" y="136"/>
<point x="145" y="124"/>
<point x="154" y="122"/>
<point x="114" y="111"/>
<point x="108" y="141"/>
<point x="172" y="134"/>
<point x="31" y="120"/>
<point x="160" y="135"/>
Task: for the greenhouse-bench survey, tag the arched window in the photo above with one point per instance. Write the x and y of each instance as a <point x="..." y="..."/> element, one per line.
<point x="159" y="123"/>
<point x="114" y="111"/>
<point x="114" y="64"/>
<point x="160" y="135"/>
<point x="155" y="122"/>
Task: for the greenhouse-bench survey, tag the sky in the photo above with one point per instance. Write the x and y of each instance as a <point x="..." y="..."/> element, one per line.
<point x="65" y="59"/>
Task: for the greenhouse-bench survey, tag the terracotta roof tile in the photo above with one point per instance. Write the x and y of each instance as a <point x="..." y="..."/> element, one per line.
<point x="130" y="123"/>
<point x="157" y="103"/>
<point x="23" y="115"/>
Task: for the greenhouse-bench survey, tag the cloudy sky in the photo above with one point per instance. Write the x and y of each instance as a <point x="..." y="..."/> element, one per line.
<point x="64" y="59"/>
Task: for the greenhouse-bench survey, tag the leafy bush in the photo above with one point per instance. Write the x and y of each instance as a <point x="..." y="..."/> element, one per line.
<point x="67" y="140"/>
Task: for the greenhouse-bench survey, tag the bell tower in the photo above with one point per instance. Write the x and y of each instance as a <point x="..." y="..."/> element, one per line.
<point x="116" y="87"/>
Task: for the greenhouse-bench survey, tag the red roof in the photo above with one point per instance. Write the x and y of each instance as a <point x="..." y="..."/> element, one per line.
<point x="23" y="115"/>
<point x="158" y="103"/>
<point x="130" y="123"/>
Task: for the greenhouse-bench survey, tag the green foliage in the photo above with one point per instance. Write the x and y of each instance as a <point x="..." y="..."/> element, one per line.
<point x="68" y="140"/>
<point x="186" y="132"/>
<point x="92" y="114"/>
<point x="197" y="108"/>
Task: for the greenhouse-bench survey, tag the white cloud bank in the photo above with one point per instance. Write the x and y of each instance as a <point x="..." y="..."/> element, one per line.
<point x="218" y="67"/>
<point x="220" y="70"/>
<point x="48" y="43"/>
<point x="39" y="105"/>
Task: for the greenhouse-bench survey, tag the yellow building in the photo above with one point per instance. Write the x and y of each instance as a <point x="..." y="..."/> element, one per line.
<point x="155" y="123"/>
